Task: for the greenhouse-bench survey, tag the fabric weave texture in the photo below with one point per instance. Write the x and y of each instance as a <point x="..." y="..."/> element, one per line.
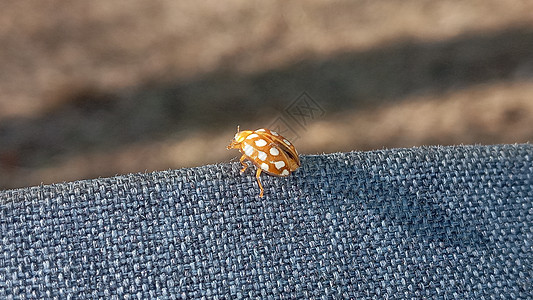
<point x="430" y="222"/>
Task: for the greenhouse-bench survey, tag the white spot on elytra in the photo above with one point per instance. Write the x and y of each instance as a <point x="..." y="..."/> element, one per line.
<point x="274" y="133"/>
<point x="248" y="150"/>
<point x="279" y="164"/>
<point x="260" y="143"/>
<point x="252" y="136"/>
<point x="285" y="172"/>
<point x="261" y="155"/>
<point x="260" y="130"/>
<point x="286" y="142"/>
<point x="274" y="151"/>
<point x="265" y="167"/>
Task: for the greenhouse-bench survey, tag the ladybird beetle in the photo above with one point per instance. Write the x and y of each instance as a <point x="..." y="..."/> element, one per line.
<point x="268" y="151"/>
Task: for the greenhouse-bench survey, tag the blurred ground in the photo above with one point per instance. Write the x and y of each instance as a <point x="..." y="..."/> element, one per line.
<point x="98" y="88"/>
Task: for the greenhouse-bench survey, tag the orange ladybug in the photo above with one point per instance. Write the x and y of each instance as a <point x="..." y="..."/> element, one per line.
<point x="269" y="151"/>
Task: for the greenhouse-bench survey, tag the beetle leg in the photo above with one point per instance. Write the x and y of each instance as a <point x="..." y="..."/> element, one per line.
<point x="243" y="163"/>
<point x="259" y="181"/>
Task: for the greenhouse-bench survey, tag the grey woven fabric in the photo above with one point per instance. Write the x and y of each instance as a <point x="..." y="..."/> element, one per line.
<point x="436" y="222"/>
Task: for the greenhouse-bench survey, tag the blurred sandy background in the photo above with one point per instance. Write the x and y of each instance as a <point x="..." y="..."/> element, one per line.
<point x="97" y="88"/>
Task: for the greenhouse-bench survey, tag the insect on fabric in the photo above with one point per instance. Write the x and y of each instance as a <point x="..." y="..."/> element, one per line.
<point x="268" y="151"/>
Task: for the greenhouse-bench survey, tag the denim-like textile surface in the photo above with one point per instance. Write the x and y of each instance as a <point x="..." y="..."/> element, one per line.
<point x="435" y="222"/>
